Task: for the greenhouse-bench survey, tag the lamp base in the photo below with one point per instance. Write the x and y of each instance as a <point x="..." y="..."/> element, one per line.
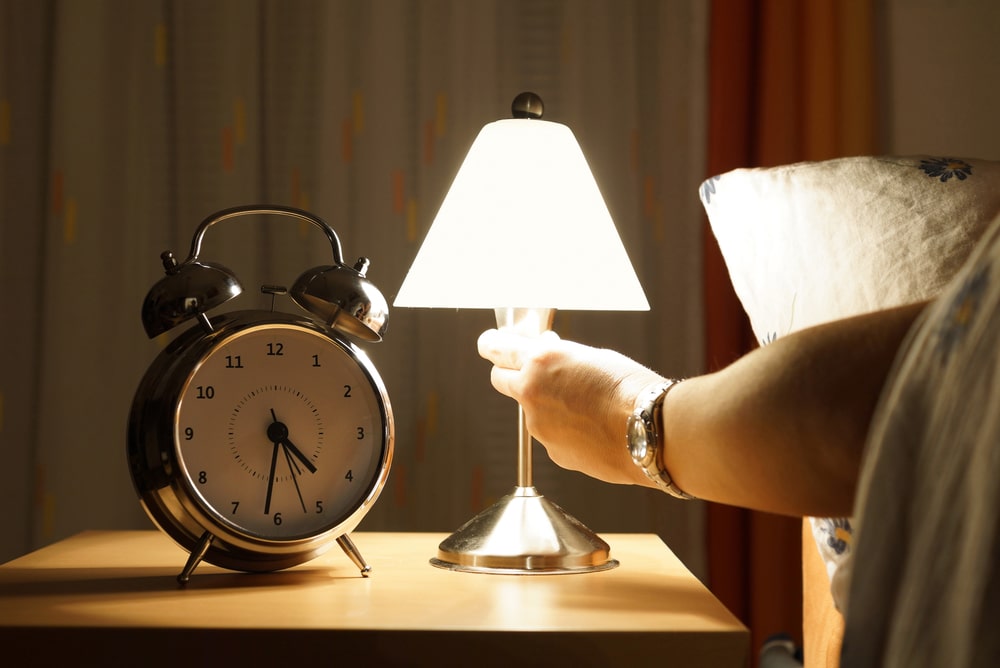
<point x="524" y="534"/>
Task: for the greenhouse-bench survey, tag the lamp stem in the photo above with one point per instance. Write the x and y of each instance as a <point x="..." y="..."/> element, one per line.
<point x="529" y="322"/>
<point x="523" y="451"/>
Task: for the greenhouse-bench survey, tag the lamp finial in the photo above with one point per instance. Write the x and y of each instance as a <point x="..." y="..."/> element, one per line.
<point x="527" y="105"/>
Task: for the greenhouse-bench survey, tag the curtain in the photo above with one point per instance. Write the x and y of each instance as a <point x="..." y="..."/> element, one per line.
<point x="123" y="124"/>
<point x="788" y="81"/>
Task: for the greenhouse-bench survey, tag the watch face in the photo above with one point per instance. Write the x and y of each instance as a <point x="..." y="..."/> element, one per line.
<point x="281" y="433"/>
<point x="638" y="442"/>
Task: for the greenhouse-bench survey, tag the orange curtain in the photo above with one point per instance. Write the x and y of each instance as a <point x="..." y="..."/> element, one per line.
<point x="789" y="80"/>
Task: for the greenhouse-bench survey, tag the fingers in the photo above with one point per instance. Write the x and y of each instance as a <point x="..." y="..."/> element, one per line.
<point x="507" y="352"/>
<point x="492" y="348"/>
<point x="508" y="349"/>
<point x="510" y="352"/>
<point x="506" y="382"/>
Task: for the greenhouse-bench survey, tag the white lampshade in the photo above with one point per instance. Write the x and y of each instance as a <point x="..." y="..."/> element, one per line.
<point x="523" y="225"/>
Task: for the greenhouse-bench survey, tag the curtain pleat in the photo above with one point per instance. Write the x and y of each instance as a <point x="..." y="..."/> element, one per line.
<point x="732" y="55"/>
<point x="788" y="81"/>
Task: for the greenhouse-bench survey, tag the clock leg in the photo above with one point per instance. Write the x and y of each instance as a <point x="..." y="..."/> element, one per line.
<point x="351" y="549"/>
<point x="197" y="554"/>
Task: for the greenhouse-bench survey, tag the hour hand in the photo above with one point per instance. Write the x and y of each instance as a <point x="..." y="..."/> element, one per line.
<point x="298" y="454"/>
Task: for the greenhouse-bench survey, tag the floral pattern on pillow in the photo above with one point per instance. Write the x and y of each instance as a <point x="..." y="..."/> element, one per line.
<point x="945" y="168"/>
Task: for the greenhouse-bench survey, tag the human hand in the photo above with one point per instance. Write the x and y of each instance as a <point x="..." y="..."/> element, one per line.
<point x="576" y="399"/>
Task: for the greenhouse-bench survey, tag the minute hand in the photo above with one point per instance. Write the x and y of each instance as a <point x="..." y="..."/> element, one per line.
<point x="270" y="480"/>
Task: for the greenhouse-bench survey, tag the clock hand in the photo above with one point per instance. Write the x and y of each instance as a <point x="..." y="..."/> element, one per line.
<point x="270" y="480"/>
<point x="277" y="431"/>
<point x="292" y="464"/>
<point x="298" y="453"/>
<point x="293" y="467"/>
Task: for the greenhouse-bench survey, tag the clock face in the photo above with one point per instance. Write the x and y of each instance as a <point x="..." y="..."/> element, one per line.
<point x="280" y="433"/>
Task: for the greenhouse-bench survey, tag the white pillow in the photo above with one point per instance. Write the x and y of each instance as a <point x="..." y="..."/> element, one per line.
<point x="817" y="241"/>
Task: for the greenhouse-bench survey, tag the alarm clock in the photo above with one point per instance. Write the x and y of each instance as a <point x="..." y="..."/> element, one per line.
<point x="257" y="438"/>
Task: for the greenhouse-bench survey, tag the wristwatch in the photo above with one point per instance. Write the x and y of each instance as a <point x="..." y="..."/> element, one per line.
<point x="645" y="441"/>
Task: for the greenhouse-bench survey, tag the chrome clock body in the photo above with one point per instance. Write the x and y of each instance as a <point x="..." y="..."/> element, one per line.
<point x="271" y="433"/>
<point x="258" y="439"/>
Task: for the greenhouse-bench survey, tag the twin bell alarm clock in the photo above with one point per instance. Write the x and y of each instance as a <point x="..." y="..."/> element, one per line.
<point x="257" y="438"/>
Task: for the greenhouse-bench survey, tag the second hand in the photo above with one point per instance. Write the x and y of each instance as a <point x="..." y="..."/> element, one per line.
<point x="293" y="468"/>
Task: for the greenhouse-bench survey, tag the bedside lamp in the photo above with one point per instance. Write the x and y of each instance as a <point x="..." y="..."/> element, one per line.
<point x="523" y="230"/>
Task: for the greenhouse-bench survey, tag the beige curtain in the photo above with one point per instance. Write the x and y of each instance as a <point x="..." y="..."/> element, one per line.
<point x="124" y="123"/>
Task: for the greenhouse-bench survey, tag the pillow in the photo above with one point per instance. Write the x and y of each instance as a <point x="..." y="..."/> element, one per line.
<point x="818" y="241"/>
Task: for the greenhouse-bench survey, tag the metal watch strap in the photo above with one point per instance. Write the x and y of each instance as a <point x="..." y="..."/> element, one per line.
<point x="651" y="401"/>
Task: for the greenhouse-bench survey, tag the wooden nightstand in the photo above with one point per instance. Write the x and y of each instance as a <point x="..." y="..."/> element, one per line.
<point x="111" y="598"/>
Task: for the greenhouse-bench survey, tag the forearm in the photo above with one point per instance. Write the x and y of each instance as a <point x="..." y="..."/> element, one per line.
<point x="783" y="428"/>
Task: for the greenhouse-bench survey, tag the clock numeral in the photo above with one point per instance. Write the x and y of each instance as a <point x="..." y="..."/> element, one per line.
<point x="319" y="507"/>
<point x="275" y="349"/>
<point x="350" y="476"/>
<point x="361" y="433"/>
<point x="188" y="433"/>
<point x="234" y="362"/>
<point x="205" y="392"/>
<point x="277" y="519"/>
<point x="236" y="505"/>
<point x="202" y="477"/>
<point x="347" y="391"/>
<point x="316" y="360"/>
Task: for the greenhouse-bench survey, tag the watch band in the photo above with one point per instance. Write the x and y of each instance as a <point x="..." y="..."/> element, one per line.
<point x="647" y="415"/>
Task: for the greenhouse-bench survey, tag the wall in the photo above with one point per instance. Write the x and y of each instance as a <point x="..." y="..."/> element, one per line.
<point x="941" y="92"/>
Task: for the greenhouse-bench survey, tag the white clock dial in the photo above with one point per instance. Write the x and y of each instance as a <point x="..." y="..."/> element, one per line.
<point x="280" y="433"/>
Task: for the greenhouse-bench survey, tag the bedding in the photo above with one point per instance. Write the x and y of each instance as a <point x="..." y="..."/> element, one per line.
<point x="817" y="241"/>
<point x="812" y="242"/>
<point x="925" y="586"/>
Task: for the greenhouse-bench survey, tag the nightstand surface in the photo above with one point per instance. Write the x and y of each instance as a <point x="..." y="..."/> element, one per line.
<point x="112" y="595"/>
